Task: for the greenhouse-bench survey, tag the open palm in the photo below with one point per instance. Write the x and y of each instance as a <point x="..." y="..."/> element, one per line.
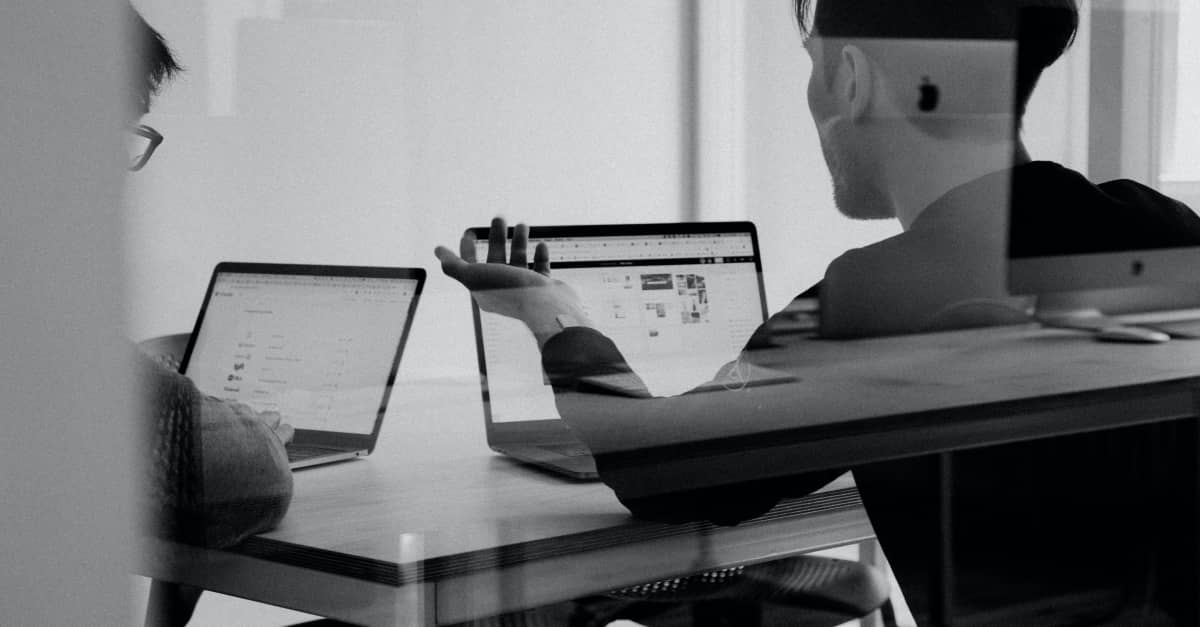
<point x="508" y="286"/>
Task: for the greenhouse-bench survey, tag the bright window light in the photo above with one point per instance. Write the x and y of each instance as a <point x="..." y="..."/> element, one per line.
<point x="1181" y="148"/>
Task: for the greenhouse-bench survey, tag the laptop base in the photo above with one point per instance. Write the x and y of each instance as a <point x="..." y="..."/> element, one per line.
<point x="577" y="467"/>
<point x="324" y="458"/>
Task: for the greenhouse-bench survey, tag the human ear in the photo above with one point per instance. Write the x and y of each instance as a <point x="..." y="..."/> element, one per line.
<point x="857" y="92"/>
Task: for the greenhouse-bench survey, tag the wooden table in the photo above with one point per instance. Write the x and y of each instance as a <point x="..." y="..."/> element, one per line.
<point x="433" y="528"/>
<point x="865" y="401"/>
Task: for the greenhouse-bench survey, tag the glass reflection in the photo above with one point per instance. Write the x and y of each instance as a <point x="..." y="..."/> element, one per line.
<point x="708" y="422"/>
<point x="926" y="131"/>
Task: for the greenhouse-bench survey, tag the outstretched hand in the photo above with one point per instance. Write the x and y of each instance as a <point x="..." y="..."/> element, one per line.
<point x="497" y="273"/>
<point x="505" y="284"/>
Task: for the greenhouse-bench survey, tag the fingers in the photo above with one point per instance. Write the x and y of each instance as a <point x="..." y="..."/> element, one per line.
<point x="520" y="243"/>
<point x="466" y="246"/>
<point x="285" y="432"/>
<point x="452" y="265"/>
<point x="497" y="238"/>
<point x="459" y="266"/>
<point x="541" y="259"/>
<point x="272" y="418"/>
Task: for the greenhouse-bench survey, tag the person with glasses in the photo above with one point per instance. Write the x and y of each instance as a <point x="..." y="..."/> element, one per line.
<point x="216" y="472"/>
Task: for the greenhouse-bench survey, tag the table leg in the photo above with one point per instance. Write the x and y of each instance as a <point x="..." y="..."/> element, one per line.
<point x="942" y="605"/>
<point x="1176" y="565"/>
<point x="1193" y="511"/>
<point x="171" y="604"/>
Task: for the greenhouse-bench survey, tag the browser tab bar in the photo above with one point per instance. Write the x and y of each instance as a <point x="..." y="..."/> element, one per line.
<point x="638" y="248"/>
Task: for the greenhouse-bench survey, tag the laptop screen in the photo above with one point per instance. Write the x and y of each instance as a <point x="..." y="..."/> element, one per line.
<point x="321" y="350"/>
<point x="678" y="305"/>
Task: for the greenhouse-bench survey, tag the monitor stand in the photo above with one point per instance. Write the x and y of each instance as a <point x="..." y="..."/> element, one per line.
<point x="1064" y="315"/>
<point x="1079" y="310"/>
<point x="1140" y="306"/>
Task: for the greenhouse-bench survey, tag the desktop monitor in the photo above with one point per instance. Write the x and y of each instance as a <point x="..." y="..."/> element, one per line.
<point x="1130" y="249"/>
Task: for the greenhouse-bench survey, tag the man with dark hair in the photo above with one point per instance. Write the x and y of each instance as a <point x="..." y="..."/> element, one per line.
<point x="153" y="64"/>
<point x="216" y="471"/>
<point x="1046" y="38"/>
<point x="1035" y="522"/>
<point x="950" y="181"/>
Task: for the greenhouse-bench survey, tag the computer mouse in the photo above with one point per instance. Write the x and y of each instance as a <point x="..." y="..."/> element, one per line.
<point x="1139" y="335"/>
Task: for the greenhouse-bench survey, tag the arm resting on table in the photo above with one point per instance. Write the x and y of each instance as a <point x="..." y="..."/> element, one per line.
<point x="579" y="352"/>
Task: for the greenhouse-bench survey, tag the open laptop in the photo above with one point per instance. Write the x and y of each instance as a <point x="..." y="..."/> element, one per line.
<point x="680" y="300"/>
<point x="318" y="344"/>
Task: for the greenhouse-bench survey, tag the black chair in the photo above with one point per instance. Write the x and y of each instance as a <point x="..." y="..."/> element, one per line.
<point x="804" y="591"/>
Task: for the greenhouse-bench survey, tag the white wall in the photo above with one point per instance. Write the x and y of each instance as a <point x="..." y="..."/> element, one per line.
<point x="1184" y="161"/>
<point x="1056" y="125"/>
<point x="1180" y="173"/>
<point x="368" y="132"/>
<point x="65" y="451"/>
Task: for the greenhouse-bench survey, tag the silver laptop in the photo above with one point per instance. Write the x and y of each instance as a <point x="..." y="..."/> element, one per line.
<point x="318" y="344"/>
<point x="680" y="300"/>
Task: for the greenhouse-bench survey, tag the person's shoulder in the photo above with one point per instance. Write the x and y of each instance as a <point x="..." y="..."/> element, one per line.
<point x="154" y="373"/>
<point x="908" y="283"/>
<point x="1059" y="184"/>
<point x="1141" y="216"/>
<point x="879" y="258"/>
<point x="1144" y="196"/>
<point x="862" y="288"/>
<point x="165" y="393"/>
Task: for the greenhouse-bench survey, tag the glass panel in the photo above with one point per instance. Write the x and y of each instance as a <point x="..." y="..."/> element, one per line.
<point x="367" y="131"/>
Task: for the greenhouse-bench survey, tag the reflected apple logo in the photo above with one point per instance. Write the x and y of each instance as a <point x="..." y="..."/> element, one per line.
<point x="931" y="95"/>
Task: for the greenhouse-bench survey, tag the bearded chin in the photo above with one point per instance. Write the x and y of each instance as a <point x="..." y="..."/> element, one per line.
<point x="860" y="202"/>
<point x="856" y="193"/>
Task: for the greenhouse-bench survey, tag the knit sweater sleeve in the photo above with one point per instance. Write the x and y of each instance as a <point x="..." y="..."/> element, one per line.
<point x="576" y="353"/>
<point x="216" y="474"/>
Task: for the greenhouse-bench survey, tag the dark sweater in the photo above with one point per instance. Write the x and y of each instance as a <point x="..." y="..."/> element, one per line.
<point x="215" y="473"/>
<point x="946" y="271"/>
<point x="1033" y="513"/>
<point x="1059" y="212"/>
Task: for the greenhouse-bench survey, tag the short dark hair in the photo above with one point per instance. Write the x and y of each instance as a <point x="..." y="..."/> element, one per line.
<point x="154" y="64"/>
<point x="1045" y="28"/>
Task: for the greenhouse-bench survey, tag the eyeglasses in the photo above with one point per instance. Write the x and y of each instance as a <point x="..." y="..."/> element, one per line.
<point x="141" y="141"/>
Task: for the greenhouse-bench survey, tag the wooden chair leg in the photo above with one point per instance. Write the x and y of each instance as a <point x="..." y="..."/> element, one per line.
<point x="171" y="604"/>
